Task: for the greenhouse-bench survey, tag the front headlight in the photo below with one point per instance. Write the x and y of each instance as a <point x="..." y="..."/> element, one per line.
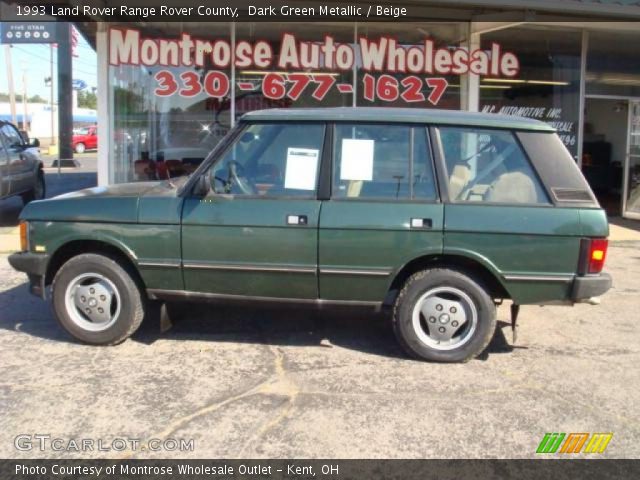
<point x="24" y="236"/>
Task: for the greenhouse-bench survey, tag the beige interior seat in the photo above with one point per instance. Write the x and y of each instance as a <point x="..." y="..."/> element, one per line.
<point x="458" y="180"/>
<point x="514" y="187"/>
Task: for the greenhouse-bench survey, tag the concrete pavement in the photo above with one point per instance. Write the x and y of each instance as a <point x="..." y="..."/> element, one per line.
<point x="293" y="383"/>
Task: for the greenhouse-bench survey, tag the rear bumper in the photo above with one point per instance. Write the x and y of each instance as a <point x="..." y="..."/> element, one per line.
<point x="35" y="266"/>
<point x="590" y="286"/>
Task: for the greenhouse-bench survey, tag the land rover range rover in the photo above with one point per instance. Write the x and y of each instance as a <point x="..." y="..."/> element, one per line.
<point x="438" y="215"/>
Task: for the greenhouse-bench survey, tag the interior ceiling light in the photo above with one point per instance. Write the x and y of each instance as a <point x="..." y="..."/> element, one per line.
<point x="520" y="81"/>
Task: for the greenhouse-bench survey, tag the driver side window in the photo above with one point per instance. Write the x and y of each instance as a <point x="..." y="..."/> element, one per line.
<point x="271" y="159"/>
<point x="488" y="166"/>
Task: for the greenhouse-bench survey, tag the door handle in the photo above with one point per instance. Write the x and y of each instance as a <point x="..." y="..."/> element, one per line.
<point x="297" y="220"/>
<point x="424" y="223"/>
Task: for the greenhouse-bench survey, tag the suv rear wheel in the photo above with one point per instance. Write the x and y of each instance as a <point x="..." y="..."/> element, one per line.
<point x="97" y="300"/>
<point x="444" y="315"/>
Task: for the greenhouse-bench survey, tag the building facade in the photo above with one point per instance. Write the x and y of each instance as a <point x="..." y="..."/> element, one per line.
<point x="175" y="89"/>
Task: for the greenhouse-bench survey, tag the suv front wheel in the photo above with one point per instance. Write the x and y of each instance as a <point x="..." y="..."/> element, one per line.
<point x="444" y="315"/>
<point x="97" y="300"/>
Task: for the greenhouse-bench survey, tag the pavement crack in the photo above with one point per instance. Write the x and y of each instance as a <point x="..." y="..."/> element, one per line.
<point x="185" y="420"/>
<point x="279" y="385"/>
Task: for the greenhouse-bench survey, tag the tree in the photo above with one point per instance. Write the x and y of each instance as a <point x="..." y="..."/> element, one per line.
<point x="4" y="97"/>
<point x="37" y="99"/>
<point x="87" y="100"/>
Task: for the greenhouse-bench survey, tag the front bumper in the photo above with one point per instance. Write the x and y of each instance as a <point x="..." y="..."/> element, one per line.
<point x="590" y="286"/>
<point x="35" y="266"/>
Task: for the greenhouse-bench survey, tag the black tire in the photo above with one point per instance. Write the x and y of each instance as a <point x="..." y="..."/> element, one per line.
<point x="132" y="302"/>
<point x="38" y="192"/>
<point x="80" y="148"/>
<point x="415" y="288"/>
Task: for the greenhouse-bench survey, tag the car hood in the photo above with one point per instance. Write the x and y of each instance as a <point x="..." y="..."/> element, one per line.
<point x="114" y="203"/>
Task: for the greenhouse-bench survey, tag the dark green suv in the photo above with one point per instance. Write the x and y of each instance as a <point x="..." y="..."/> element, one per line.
<point x="438" y="215"/>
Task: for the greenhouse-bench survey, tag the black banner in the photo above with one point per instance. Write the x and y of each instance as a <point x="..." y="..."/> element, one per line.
<point x="319" y="469"/>
<point x="304" y="11"/>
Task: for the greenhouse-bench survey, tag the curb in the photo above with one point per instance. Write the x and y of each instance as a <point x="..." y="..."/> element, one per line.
<point x="66" y="162"/>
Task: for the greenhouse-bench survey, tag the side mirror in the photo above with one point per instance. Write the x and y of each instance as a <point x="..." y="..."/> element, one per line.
<point x="202" y="186"/>
<point x="34" y="142"/>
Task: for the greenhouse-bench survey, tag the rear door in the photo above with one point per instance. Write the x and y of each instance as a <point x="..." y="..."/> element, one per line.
<point x="5" y="178"/>
<point x="500" y="214"/>
<point x="19" y="165"/>
<point x="384" y="209"/>
<point x="256" y="234"/>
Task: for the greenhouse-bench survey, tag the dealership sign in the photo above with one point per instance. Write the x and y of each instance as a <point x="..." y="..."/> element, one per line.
<point x="402" y="71"/>
<point x="27" y="32"/>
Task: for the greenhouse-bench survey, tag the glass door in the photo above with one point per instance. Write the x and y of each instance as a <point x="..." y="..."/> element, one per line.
<point x="631" y="203"/>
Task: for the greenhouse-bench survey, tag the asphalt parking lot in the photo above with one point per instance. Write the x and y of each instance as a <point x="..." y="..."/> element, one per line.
<point x="247" y="383"/>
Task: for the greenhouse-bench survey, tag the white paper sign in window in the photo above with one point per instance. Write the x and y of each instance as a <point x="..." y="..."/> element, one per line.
<point x="357" y="159"/>
<point x="302" y="165"/>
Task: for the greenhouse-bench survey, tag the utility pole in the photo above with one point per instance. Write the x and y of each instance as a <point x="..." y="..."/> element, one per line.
<point x="12" y="93"/>
<point x="24" y="100"/>
<point x="53" y="131"/>
<point x="65" y="108"/>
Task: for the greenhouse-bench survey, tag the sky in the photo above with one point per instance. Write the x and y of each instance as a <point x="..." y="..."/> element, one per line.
<point x="35" y="60"/>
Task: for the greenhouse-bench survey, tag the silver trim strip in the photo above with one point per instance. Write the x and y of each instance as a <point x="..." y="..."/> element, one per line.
<point x="539" y="278"/>
<point x="163" y="293"/>
<point x="249" y="268"/>
<point x="344" y="271"/>
<point x="160" y="264"/>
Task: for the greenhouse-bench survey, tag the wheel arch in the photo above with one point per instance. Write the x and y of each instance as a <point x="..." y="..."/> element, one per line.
<point x="76" y="247"/>
<point x="466" y="264"/>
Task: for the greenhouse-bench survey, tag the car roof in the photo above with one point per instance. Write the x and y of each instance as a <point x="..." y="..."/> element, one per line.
<point x="397" y="115"/>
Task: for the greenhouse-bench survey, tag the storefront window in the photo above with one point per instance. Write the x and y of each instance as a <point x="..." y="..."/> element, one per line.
<point x="397" y="65"/>
<point x="176" y="89"/>
<point x="613" y="64"/>
<point x="308" y="66"/>
<point x="547" y="87"/>
<point x="170" y="108"/>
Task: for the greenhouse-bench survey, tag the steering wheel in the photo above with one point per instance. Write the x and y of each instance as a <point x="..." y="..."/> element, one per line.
<point x="236" y="177"/>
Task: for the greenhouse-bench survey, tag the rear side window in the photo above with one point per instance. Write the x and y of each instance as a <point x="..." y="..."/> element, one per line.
<point x="557" y="168"/>
<point x="382" y="161"/>
<point x="488" y="166"/>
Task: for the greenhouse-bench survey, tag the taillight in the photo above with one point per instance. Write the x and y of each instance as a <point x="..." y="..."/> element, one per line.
<point x="597" y="254"/>
<point x="24" y="236"/>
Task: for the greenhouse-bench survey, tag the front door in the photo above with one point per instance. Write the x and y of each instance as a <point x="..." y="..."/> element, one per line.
<point x="384" y="209"/>
<point x="255" y="233"/>
<point x="631" y="190"/>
